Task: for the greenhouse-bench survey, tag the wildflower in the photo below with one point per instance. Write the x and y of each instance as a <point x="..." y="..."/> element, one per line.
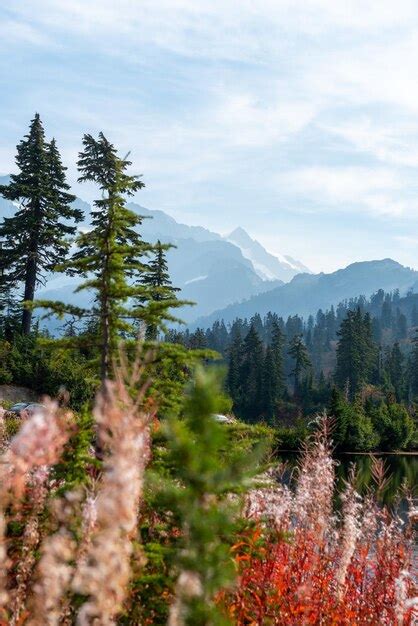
<point x="31" y="538"/>
<point x="104" y="571"/>
<point x="38" y="444"/>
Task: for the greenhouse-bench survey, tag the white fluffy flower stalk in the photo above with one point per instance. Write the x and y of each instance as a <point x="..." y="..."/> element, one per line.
<point x="188" y="586"/>
<point x="89" y="521"/>
<point x="54" y="576"/>
<point x="315" y="485"/>
<point x="404" y="603"/>
<point x="2" y="428"/>
<point x="104" y="573"/>
<point x="51" y="601"/>
<point x="4" y="564"/>
<point x="351" y="529"/>
<point x="272" y="504"/>
<point x="31" y="539"/>
<point x="38" y="443"/>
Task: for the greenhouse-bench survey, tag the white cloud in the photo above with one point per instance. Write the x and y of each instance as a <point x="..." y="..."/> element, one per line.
<point x="219" y="94"/>
<point x="219" y="29"/>
<point x="375" y="190"/>
<point x="244" y="120"/>
<point x="395" y="143"/>
<point x="13" y="30"/>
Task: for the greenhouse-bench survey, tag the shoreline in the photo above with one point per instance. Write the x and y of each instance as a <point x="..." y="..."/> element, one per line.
<point x="374" y="453"/>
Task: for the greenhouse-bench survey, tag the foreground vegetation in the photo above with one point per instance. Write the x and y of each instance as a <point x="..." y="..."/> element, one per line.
<point x="122" y="519"/>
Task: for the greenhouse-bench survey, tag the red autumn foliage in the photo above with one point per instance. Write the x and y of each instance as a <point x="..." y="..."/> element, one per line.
<point x="302" y="563"/>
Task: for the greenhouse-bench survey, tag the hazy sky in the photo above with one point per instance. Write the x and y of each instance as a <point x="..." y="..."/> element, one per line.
<point x="296" y="119"/>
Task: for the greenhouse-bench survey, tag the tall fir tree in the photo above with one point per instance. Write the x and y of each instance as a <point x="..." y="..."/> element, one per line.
<point x="197" y="491"/>
<point x="161" y="295"/>
<point x="414" y="315"/>
<point x="356" y="352"/>
<point x="270" y="391"/>
<point x="37" y="238"/>
<point x="235" y="354"/>
<point x="301" y="361"/>
<point x="111" y="256"/>
<point x="273" y="377"/>
<point x="395" y="369"/>
<point x="413" y="368"/>
<point x="251" y="374"/>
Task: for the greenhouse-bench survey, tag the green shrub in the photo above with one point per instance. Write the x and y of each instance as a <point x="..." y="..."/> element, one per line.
<point x="292" y="437"/>
<point x="394" y="425"/>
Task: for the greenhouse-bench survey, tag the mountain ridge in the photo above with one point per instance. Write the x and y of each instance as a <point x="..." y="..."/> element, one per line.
<point x="267" y="265"/>
<point x="306" y="293"/>
<point x="207" y="268"/>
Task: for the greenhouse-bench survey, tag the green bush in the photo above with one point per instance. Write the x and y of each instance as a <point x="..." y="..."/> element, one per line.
<point x="394" y="425"/>
<point x="242" y="437"/>
<point x="292" y="437"/>
<point x="353" y="427"/>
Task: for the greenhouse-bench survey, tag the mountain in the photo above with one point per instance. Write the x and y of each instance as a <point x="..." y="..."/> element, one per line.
<point x="210" y="273"/>
<point x="306" y="293"/>
<point x="211" y="270"/>
<point x="267" y="266"/>
<point x="159" y="225"/>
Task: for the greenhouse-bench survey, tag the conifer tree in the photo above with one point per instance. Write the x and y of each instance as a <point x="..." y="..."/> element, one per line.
<point x="273" y="385"/>
<point x="396" y="370"/>
<point x="110" y="257"/>
<point x="413" y="367"/>
<point x="277" y="344"/>
<point x="197" y="340"/>
<point x="37" y="238"/>
<point x="202" y="480"/>
<point x="356" y="352"/>
<point x="234" y="366"/>
<point x="414" y="315"/>
<point x="300" y="356"/>
<point x="251" y="404"/>
<point x="401" y="325"/>
<point x="270" y="392"/>
<point x="161" y="294"/>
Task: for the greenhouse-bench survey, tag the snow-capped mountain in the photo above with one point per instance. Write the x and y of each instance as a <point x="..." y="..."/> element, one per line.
<point x="211" y="270"/>
<point x="266" y="265"/>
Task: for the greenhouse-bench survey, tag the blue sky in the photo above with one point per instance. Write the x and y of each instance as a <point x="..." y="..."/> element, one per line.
<point x="296" y="119"/>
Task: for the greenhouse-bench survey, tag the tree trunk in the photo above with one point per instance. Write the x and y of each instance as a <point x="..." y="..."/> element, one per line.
<point x="29" y="294"/>
<point x="105" y="356"/>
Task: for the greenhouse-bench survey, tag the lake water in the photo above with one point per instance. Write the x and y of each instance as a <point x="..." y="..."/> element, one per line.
<point x="401" y="468"/>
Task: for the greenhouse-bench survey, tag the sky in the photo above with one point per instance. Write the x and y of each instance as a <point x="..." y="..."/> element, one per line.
<point x="295" y="119"/>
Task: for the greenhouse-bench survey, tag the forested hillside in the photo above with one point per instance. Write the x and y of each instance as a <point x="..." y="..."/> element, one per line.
<point x="362" y="353"/>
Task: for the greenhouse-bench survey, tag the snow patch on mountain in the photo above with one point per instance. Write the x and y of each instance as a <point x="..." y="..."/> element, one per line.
<point x="195" y="280"/>
<point x="262" y="270"/>
<point x="268" y="266"/>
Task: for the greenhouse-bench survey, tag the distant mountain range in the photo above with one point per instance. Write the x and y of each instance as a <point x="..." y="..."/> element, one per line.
<point x="235" y="276"/>
<point x="211" y="270"/>
<point x="306" y="293"/>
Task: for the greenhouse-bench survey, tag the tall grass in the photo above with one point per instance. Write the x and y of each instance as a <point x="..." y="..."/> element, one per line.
<point x="306" y="562"/>
<point x="70" y="555"/>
